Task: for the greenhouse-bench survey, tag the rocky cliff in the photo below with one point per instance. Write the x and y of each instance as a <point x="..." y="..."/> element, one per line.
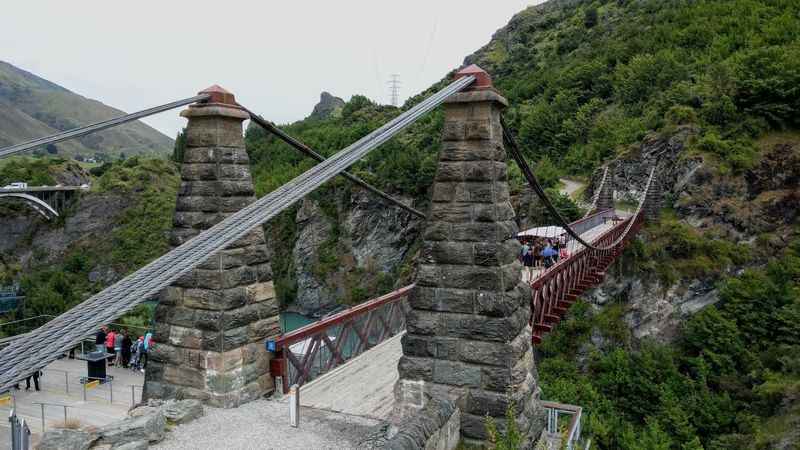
<point x="348" y="252"/>
<point x="752" y="210"/>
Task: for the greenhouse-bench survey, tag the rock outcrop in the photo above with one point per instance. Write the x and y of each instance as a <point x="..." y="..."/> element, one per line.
<point x="653" y="310"/>
<point x="27" y="232"/>
<point x="365" y="235"/>
<point x="328" y="105"/>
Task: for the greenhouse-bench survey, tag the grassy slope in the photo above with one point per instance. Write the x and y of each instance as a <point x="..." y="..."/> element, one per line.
<point x="34" y="107"/>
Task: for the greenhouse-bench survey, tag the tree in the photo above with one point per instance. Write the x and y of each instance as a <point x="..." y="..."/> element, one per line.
<point x="590" y="17"/>
<point x="52" y="149"/>
<point x="180" y="146"/>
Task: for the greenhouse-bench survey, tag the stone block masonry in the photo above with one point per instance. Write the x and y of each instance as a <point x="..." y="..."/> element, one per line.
<point x="211" y="324"/>
<point x="468" y="339"/>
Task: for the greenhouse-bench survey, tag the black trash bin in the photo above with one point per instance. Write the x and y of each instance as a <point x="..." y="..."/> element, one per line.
<point x="96" y="366"/>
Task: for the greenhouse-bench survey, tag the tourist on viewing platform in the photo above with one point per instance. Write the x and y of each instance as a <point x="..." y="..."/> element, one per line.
<point x="110" y="336"/>
<point x="137" y="349"/>
<point x="35" y="376"/>
<point x="148" y="344"/>
<point x="126" y="349"/>
<point x="118" y="338"/>
<point x="100" y="339"/>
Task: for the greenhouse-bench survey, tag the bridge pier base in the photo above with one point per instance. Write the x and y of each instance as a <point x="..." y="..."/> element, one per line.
<point x="210" y="325"/>
<point x="468" y="339"/>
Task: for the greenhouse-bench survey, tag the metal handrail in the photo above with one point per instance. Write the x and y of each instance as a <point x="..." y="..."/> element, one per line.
<point x="566" y="261"/>
<point x="574" y="427"/>
<point x="363" y="326"/>
<point x="311" y="329"/>
<point x="43" y="404"/>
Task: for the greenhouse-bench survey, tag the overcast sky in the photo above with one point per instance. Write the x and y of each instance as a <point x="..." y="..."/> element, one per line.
<point x="275" y="56"/>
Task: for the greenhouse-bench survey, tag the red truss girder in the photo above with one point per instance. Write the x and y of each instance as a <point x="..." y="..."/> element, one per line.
<point x="556" y="290"/>
<point x="334" y="340"/>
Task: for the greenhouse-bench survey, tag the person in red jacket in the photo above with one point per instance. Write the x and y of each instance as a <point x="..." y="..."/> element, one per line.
<point x="110" y="346"/>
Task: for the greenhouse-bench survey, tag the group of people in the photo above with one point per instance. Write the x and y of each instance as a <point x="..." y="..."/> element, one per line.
<point x="538" y="252"/>
<point x="122" y="351"/>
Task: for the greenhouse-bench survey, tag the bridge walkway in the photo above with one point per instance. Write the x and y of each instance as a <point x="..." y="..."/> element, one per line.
<point x="574" y="246"/>
<point x="362" y="386"/>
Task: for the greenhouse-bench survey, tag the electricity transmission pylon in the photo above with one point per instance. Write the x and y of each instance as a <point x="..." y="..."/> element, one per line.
<point x="394" y="89"/>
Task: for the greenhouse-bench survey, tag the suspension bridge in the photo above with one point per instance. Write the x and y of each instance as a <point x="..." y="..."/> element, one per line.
<point x="463" y="332"/>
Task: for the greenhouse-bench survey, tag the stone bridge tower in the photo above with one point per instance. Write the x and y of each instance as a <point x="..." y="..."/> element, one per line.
<point x="468" y="338"/>
<point x="212" y="322"/>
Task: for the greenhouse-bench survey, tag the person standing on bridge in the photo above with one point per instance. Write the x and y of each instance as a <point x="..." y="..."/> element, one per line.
<point x="526" y="254"/>
<point x="547" y="254"/>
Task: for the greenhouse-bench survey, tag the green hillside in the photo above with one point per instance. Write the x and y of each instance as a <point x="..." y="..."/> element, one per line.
<point x="587" y="81"/>
<point x="32" y="107"/>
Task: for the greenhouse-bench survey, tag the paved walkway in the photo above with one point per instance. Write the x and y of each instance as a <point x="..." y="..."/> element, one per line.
<point x="96" y="411"/>
<point x="363" y="386"/>
<point x="570" y="187"/>
<point x="264" y="424"/>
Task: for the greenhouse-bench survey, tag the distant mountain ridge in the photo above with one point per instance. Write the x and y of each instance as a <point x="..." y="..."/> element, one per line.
<point x="32" y="107"/>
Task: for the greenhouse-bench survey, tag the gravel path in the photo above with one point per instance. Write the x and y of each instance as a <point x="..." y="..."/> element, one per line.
<point x="264" y="424"/>
<point x="570" y="187"/>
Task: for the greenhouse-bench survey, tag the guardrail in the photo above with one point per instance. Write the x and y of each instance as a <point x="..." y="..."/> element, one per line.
<point x="43" y="404"/>
<point x="310" y="351"/>
<point x="94" y="382"/>
<point x="572" y="431"/>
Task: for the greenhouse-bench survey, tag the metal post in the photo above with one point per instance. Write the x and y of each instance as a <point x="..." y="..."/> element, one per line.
<point x="294" y="405"/>
<point x="66" y="381"/>
<point x="110" y="390"/>
<point x="133" y="395"/>
<point x="12" y="418"/>
<point x="42" y="405"/>
<point x="84" y="388"/>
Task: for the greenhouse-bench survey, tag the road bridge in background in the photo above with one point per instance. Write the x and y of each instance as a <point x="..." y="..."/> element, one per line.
<point x="49" y="201"/>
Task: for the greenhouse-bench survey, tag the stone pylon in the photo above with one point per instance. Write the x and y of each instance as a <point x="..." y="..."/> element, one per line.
<point x="210" y="325"/>
<point x="468" y="337"/>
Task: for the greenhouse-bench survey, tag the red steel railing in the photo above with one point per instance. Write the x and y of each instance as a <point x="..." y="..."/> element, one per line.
<point x="558" y="288"/>
<point x="315" y="349"/>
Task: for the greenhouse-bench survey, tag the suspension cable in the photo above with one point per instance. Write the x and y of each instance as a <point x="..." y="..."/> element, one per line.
<point x="308" y="151"/>
<point x="99" y="126"/>
<point x="45" y="343"/>
<point x="513" y="149"/>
